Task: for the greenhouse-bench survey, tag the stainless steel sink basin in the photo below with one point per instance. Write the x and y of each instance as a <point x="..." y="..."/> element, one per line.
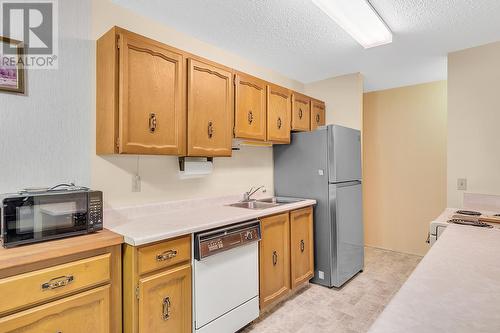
<point x="280" y="200"/>
<point x="254" y="205"/>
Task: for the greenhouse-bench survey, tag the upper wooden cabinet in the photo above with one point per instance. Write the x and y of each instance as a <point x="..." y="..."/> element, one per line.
<point x="317" y="114"/>
<point x="301" y="112"/>
<point x="140" y="96"/>
<point x="301" y="246"/>
<point x="274" y="259"/>
<point x="210" y="109"/>
<point x="279" y="111"/>
<point x="250" y="108"/>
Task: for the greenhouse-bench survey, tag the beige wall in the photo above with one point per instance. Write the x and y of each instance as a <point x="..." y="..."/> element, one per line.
<point x="344" y="99"/>
<point x="404" y="165"/>
<point x="474" y="121"/>
<point x="160" y="182"/>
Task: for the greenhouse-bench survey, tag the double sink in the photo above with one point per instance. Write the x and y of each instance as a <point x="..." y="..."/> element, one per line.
<point x="265" y="203"/>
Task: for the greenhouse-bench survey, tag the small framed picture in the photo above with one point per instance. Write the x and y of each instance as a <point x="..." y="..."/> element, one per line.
<point x="11" y="67"/>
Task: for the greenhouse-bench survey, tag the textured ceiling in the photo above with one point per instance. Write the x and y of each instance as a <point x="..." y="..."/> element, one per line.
<point x="296" y="39"/>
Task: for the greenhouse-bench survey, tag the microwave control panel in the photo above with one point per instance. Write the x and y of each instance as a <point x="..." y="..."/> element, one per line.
<point x="95" y="211"/>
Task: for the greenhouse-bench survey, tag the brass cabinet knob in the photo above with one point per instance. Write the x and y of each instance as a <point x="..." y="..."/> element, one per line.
<point x="275" y="258"/>
<point x="170" y="254"/>
<point x="318" y="118"/>
<point x="302" y="246"/>
<point x="250" y="117"/>
<point x="279" y="123"/>
<point x="58" y="282"/>
<point x="301" y="113"/>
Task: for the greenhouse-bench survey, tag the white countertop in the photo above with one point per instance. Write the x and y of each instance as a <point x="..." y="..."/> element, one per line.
<point x="455" y="288"/>
<point x="145" y="224"/>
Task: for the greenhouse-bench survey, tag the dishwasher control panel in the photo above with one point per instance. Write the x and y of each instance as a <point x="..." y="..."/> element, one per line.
<point x="223" y="239"/>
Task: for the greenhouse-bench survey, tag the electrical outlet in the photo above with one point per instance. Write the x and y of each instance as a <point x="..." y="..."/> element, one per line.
<point x="462" y="184"/>
<point x="136" y="183"/>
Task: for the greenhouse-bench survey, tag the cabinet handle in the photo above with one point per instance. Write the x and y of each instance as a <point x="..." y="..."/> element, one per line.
<point x="301" y="113"/>
<point x="275" y="258"/>
<point x="166" y="255"/>
<point x="152" y="122"/>
<point x="317" y="118"/>
<point x="210" y="129"/>
<point x="250" y="117"/>
<point x="58" y="282"/>
<point x="302" y="246"/>
<point x="166" y="308"/>
<point x="280" y="123"/>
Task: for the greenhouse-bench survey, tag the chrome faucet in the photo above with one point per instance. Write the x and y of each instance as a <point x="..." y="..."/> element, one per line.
<point x="247" y="196"/>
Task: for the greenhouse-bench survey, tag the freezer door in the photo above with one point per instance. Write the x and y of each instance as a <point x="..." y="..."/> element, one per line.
<point x="344" y="154"/>
<point x="347" y="221"/>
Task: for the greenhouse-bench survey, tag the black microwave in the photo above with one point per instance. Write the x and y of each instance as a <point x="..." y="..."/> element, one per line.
<point x="36" y="217"/>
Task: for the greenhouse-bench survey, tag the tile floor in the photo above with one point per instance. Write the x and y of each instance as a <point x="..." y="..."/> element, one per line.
<point x="352" y="308"/>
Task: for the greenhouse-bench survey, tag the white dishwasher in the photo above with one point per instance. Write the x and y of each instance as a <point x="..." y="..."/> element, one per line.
<point x="226" y="278"/>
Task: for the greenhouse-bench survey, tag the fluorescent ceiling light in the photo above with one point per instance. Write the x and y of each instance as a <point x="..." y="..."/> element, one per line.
<point x="359" y="19"/>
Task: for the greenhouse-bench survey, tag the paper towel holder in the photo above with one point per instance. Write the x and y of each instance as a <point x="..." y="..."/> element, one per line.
<point x="182" y="161"/>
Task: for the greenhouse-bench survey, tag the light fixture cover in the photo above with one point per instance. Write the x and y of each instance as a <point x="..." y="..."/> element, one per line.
<point x="359" y="19"/>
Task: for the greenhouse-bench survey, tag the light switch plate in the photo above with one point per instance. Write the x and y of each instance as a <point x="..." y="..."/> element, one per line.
<point x="462" y="184"/>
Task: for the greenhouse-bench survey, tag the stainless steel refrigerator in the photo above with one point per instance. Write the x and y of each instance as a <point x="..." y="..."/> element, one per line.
<point x="326" y="165"/>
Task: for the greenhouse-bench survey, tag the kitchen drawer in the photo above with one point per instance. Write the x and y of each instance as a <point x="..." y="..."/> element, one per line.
<point x="165" y="254"/>
<point x="34" y="287"/>
<point x="82" y="313"/>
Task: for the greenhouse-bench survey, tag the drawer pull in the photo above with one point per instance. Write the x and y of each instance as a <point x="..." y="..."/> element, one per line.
<point x="301" y="113"/>
<point x="167" y="255"/>
<point x="275" y="258"/>
<point x="58" y="282"/>
<point x="302" y="246"/>
<point x="166" y="308"/>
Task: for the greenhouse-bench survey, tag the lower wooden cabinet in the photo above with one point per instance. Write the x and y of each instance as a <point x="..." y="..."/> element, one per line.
<point x="274" y="259"/>
<point x="83" y="313"/>
<point x="165" y="301"/>
<point x="157" y="287"/>
<point x="301" y="246"/>
<point x="286" y="254"/>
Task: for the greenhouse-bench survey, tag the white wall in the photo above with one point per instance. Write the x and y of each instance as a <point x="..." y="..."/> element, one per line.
<point x="344" y="99"/>
<point x="159" y="174"/>
<point x="45" y="135"/>
<point x="474" y="121"/>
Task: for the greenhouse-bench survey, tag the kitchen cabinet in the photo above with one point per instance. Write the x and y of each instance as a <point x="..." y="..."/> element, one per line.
<point x="274" y="257"/>
<point x="279" y="111"/>
<point x="250" y="108"/>
<point x="157" y="292"/>
<point x="317" y="114"/>
<point x="140" y="96"/>
<point x="210" y="109"/>
<point x="301" y="112"/>
<point x="82" y="313"/>
<point x="301" y="246"/>
<point x="67" y="285"/>
<point x="165" y="301"/>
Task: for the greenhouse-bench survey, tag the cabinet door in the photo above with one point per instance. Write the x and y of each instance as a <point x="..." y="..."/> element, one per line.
<point x="82" y="313"/>
<point x="317" y="114"/>
<point x="301" y="112"/>
<point x="210" y="109"/>
<point x="165" y="301"/>
<point x="274" y="259"/>
<point x="301" y="245"/>
<point x="151" y="103"/>
<point x="279" y="111"/>
<point x="250" y="108"/>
